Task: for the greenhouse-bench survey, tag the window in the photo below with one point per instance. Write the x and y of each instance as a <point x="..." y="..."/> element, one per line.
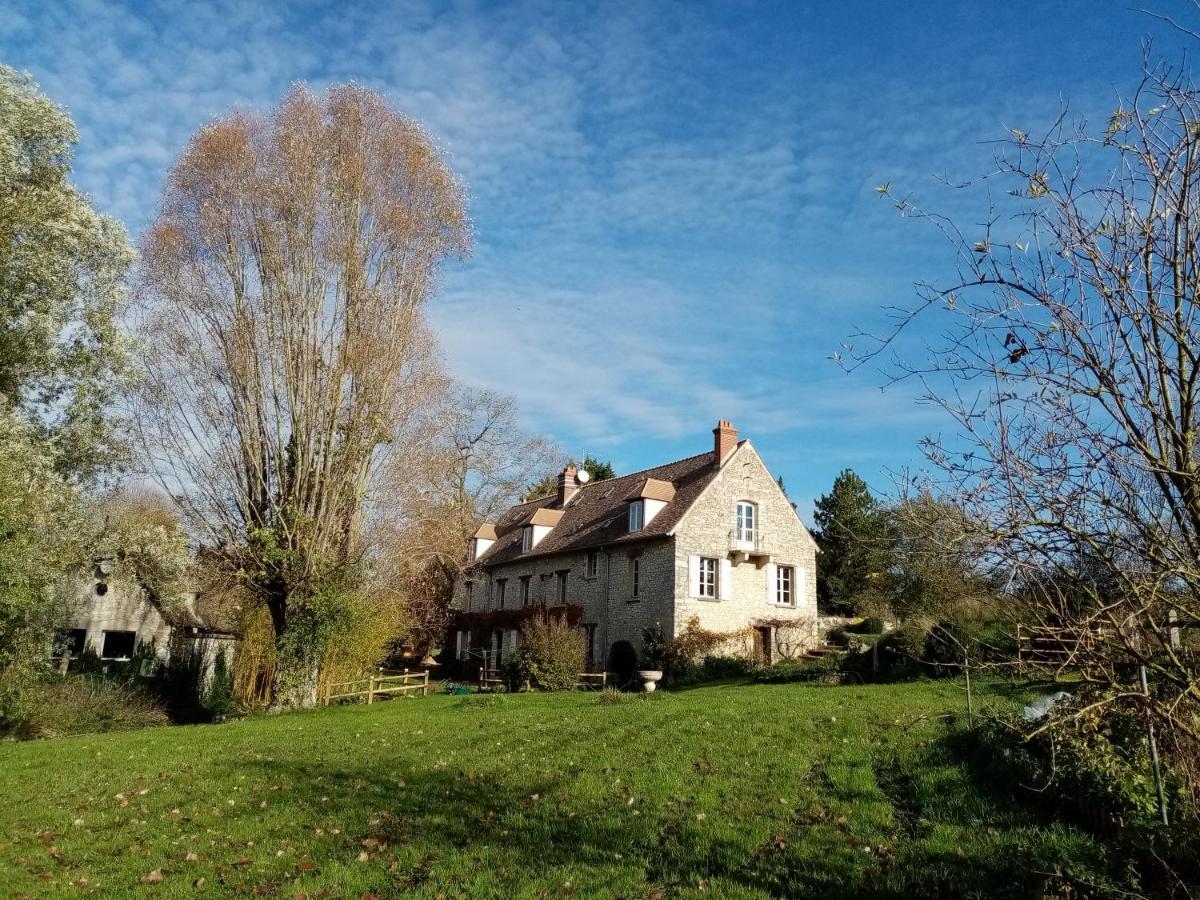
<point x="785" y="578"/>
<point x="470" y="591"/>
<point x="527" y="539"/>
<point x="118" y="645"/>
<point x="637" y="512"/>
<point x="69" y="641"/>
<point x="524" y="590"/>
<point x="562" y="587"/>
<point x="635" y="571"/>
<point x="501" y="590"/>
<point x="708" y="577"/>
<point x="593" y="563"/>
<point x="745" y="522"/>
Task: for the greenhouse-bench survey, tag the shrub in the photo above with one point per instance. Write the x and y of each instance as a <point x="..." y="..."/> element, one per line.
<point x="715" y="668"/>
<point x="870" y="625"/>
<point x="219" y="699"/>
<point x="552" y="654"/>
<point x="825" y="669"/>
<point x="677" y="655"/>
<point x="610" y="696"/>
<point x="81" y="704"/>
<point x="512" y="670"/>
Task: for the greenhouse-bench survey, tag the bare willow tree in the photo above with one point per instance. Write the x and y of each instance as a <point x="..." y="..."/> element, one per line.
<point x="283" y="347"/>
<point x="475" y="463"/>
<point x="1071" y="363"/>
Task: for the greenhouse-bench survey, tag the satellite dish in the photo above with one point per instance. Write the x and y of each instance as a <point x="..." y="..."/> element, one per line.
<point x="583" y="476"/>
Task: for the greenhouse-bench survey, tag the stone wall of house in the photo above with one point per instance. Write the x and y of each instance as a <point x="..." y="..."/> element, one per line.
<point x="706" y="530"/>
<point x="607" y="598"/>
<point x="121" y="607"/>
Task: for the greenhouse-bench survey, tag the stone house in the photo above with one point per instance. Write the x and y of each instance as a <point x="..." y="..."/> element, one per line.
<point x="710" y="537"/>
<point x="109" y="612"/>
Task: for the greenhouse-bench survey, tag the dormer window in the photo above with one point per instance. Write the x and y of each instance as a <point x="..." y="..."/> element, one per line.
<point x="526" y="538"/>
<point x="637" y="515"/>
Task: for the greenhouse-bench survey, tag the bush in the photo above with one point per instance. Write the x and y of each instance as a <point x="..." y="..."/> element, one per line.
<point x="611" y="696"/>
<point x="714" y="668"/>
<point x="870" y="625"/>
<point x="219" y="699"/>
<point x="81" y="704"/>
<point x="552" y="654"/>
<point x="825" y="669"/>
<point x="678" y="656"/>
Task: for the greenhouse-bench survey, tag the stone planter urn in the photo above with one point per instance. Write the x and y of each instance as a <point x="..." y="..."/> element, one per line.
<point x="650" y="679"/>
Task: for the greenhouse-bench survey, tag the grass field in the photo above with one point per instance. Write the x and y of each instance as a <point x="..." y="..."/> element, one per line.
<point x="720" y="791"/>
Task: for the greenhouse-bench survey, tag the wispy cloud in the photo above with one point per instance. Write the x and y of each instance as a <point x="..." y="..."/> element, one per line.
<point x="673" y="202"/>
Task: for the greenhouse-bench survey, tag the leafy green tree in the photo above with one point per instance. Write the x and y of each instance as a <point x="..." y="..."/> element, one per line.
<point x="597" y="470"/>
<point x="857" y="544"/>
<point x="63" y="271"/>
<point x="40" y="522"/>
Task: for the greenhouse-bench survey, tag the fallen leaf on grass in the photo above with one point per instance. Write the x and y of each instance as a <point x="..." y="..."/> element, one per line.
<point x="306" y="866"/>
<point x="192" y="857"/>
<point x="242" y="862"/>
<point x="152" y="877"/>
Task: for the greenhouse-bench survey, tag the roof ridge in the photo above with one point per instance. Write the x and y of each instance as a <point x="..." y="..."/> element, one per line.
<point x="673" y="462"/>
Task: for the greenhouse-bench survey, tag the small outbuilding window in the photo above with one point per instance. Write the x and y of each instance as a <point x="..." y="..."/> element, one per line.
<point x="118" y="645"/>
<point x="70" y="641"/>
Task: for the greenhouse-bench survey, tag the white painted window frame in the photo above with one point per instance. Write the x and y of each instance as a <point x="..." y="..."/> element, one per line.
<point x="637" y="516"/>
<point x="745" y="525"/>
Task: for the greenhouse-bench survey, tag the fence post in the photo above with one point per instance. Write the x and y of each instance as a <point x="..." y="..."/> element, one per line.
<point x="425" y="685"/>
<point x="1158" y="785"/>
<point x="371" y="691"/>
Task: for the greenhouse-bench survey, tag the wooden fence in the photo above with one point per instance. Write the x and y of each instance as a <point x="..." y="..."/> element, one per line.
<point x="1045" y="646"/>
<point x="490" y="680"/>
<point x="372" y="686"/>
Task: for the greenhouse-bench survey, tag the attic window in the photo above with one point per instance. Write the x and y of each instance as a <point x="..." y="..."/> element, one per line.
<point x="637" y="514"/>
<point x="526" y="538"/>
<point x="101" y="588"/>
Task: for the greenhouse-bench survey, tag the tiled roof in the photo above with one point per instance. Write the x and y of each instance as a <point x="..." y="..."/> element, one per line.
<point x="597" y="515"/>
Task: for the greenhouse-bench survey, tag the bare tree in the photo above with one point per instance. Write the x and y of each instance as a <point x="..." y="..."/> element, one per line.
<point x="1071" y="363"/>
<point x="283" y="347"/>
<point x="475" y="463"/>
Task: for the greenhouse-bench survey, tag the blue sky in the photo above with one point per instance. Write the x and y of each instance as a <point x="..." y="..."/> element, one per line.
<point x="673" y="202"/>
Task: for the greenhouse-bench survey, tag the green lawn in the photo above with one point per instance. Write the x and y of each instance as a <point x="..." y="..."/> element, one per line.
<point x="722" y="791"/>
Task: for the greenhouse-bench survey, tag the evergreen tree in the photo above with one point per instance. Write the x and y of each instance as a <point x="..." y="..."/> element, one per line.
<point x="857" y="544"/>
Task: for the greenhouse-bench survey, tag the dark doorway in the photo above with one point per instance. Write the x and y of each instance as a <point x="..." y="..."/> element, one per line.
<point x="622" y="662"/>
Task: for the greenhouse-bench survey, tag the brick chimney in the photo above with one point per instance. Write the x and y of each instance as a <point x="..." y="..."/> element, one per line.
<point x="568" y="485"/>
<point x="725" y="438"/>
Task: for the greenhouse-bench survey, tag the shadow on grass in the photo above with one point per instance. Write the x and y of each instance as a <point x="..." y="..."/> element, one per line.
<point x="515" y="833"/>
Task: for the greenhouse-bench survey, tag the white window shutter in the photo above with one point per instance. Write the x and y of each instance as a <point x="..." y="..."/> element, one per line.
<point x="513" y="637"/>
<point x="770" y="569"/>
<point x="461" y="645"/>
<point x="725" y="582"/>
<point x="693" y="576"/>
<point x="799" y="597"/>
